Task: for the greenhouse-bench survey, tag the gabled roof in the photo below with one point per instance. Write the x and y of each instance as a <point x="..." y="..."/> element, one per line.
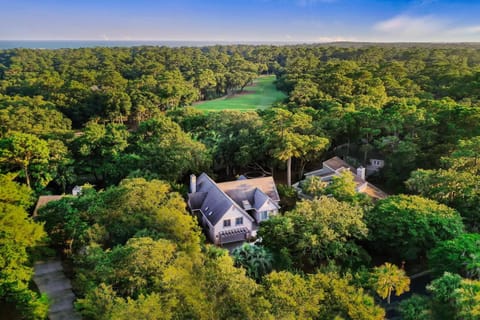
<point x="336" y="163"/>
<point x="213" y="202"/>
<point x="43" y="200"/>
<point x="374" y="192"/>
<point x="334" y="166"/>
<point x="215" y="199"/>
<point x="261" y="198"/>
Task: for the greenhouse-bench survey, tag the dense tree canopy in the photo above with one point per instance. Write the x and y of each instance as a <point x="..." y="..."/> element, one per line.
<point x="18" y="234"/>
<point x="134" y="250"/>
<point x="407" y="226"/>
<point x="460" y="255"/>
<point x="314" y="232"/>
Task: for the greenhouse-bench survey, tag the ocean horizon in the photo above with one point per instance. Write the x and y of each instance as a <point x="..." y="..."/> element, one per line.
<point x="75" y="44"/>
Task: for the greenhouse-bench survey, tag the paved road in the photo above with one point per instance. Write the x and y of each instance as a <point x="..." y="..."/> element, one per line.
<point x="51" y="280"/>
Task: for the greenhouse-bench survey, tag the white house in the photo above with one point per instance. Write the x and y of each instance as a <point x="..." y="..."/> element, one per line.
<point x="334" y="166"/>
<point x="231" y="211"/>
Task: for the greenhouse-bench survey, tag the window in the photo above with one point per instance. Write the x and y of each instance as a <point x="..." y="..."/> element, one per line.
<point x="239" y="221"/>
<point x="264" y="215"/>
<point x="226" y="223"/>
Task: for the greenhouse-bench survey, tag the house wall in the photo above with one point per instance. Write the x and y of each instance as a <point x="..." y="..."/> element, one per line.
<point x="267" y="206"/>
<point x="209" y="228"/>
<point x="231" y="214"/>
<point x="205" y="224"/>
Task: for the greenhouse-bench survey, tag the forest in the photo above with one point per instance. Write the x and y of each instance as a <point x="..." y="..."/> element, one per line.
<point x="122" y="123"/>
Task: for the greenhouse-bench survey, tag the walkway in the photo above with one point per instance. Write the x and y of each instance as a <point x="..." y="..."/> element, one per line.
<point x="51" y="280"/>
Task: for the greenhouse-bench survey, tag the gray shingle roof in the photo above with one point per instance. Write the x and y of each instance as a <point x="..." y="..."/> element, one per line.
<point x="214" y="200"/>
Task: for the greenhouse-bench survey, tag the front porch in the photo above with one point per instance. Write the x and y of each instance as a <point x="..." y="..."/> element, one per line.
<point x="233" y="235"/>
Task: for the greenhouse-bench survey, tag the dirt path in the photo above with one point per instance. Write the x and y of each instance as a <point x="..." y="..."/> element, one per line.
<point x="51" y="280"/>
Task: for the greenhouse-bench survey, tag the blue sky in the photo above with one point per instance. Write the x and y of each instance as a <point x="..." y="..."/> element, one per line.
<point x="247" y="20"/>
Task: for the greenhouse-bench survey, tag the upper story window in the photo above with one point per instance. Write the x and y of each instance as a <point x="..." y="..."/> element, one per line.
<point x="264" y="215"/>
<point x="239" y="221"/>
<point x="226" y="223"/>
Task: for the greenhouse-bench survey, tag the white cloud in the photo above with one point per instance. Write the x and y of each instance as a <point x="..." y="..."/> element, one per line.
<point x="466" y="30"/>
<point x="409" y="26"/>
<point x="334" y="39"/>
<point x="406" y="27"/>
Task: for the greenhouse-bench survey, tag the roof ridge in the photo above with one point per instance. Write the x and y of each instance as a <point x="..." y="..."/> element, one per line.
<point x="227" y="196"/>
<point x="267" y="198"/>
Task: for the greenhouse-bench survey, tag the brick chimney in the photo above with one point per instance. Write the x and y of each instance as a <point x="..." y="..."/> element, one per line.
<point x="193" y="183"/>
<point x="361" y="172"/>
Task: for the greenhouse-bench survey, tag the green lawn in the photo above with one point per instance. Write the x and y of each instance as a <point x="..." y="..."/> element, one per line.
<point x="263" y="95"/>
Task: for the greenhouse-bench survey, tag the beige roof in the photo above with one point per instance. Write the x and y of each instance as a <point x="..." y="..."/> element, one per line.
<point x="336" y="163"/>
<point x="43" y="200"/>
<point x="265" y="184"/>
<point x="374" y="192"/>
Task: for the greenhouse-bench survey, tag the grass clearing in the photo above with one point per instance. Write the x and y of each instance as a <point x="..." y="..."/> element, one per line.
<point x="261" y="95"/>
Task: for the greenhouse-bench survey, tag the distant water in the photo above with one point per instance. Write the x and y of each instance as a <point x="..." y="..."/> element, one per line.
<point x="74" y="44"/>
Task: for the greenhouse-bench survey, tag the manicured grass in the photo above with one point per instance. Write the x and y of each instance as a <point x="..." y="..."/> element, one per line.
<point x="262" y="94"/>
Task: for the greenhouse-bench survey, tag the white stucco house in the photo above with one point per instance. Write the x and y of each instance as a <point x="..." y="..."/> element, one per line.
<point x="231" y="211"/>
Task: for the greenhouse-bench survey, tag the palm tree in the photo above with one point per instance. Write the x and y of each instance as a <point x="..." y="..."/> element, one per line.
<point x="388" y="278"/>
<point x="255" y="259"/>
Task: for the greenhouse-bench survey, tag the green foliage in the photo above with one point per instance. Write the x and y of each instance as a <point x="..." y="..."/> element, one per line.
<point x="415" y="308"/>
<point x="315" y="232"/>
<point x="161" y="147"/>
<point x="292" y="296"/>
<point x="291" y="136"/>
<point x="18" y="234"/>
<point x="103" y="303"/>
<point x="145" y="260"/>
<point x="454" y="188"/>
<point x="443" y="288"/>
<point x="411" y="106"/>
<point x="454" y="297"/>
<point x="14" y="193"/>
<point x="313" y="186"/>
<point x="343" y="188"/>
<point x="117" y="214"/>
<point x="407" y="226"/>
<point x="34" y="120"/>
<point x="318" y="296"/>
<point x="465" y="157"/>
<point x="27" y="153"/>
<point x="98" y="152"/>
<point x="459" y="255"/>
<point x="344" y="300"/>
<point x="288" y="197"/>
<point x="467" y="299"/>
